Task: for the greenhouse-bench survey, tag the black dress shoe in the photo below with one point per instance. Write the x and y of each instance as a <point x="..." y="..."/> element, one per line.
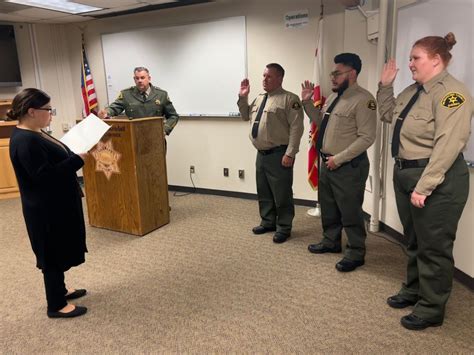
<point x="320" y="248"/>
<point x="398" y="301"/>
<point x="262" y="229"/>
<point x="76" y="312"/>
<point x="413" y="322"/>
<point x="76" y="294"/>
<point x="346" y="265"/>
<point x="280" y="237"/>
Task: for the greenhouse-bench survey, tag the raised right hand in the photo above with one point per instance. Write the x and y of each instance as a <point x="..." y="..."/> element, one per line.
<point x="307" y="90"/>
<point x="244" y="88"/>
<point x="389" y="72"/>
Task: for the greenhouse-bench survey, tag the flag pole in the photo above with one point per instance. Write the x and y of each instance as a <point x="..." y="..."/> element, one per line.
<point x="316" y="211"/>
<point x="89" y="96"/>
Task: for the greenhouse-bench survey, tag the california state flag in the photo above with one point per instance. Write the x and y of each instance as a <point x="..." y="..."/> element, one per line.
<point x="318" y="99"/>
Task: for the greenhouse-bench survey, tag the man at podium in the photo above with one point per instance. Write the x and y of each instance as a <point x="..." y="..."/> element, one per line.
<point x="143" y="100"/>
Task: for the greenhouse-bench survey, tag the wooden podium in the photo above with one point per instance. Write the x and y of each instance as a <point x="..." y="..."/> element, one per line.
<point x="125" y="177"/>
<point x="8" y="183"/>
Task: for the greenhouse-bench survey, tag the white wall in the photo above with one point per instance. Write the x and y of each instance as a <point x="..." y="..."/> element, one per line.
<point x="464" y="245"/>
<point x="211" y="144"/>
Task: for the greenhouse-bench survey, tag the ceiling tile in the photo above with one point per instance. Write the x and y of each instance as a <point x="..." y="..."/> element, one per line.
<point x="19" y="13"/>
<point x="40" y="13"/>
<point x="6" y="7"/>
<point x="15" y="18"/>
<point x="156" y="2"/>
<point x="67" y="19"/>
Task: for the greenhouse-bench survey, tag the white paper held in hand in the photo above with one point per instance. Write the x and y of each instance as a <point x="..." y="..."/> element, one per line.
<point x="83" y="136"/>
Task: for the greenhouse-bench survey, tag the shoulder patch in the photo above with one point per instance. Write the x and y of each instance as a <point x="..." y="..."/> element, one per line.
<point x="296" y="105"/>
<point x="120" y="96"/>
<point x="453" y="100"/>
<point x="371" y="104"/>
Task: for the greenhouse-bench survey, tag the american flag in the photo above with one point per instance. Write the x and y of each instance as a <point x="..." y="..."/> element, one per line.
<point x="318" y="98"/>
<point x="89" y="96"/>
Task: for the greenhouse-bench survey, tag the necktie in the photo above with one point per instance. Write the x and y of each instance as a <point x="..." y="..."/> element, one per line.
<point x="144" y="96"/>
<point x="401" y="118"/>
<point x="259" y="115"/>
<point x="324" y="123"/>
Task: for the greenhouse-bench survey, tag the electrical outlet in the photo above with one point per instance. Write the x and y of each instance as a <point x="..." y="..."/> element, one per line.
<point x="241" y="174"/>
<point x="191" y="169"/>
<point x="226" y="172"/>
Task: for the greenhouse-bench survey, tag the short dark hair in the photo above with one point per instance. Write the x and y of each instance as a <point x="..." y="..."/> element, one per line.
<point x="141" y="69"/>
<point x="349" y="59"/>
<point x="26" y="99"/>
<point x="279" y="69"/>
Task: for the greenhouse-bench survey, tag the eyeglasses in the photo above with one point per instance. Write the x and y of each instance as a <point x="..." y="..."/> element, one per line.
<point x="52" y="111"/>
<point x="335" y="74"/>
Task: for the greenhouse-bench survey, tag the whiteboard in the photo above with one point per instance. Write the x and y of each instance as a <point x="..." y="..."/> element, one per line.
<point x="437" y="18"/>
<point x="200" y="65"/>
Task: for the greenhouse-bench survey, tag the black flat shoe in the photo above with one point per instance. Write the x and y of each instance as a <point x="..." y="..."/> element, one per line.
<point x="76" y="294"/>
<point x="280" y="237"/>
<point x="262" y="229"/>
<point x="76" y="312"/>
<point x="414" y="322"/>
<point x="398" y="301"/>
<point x="320" y="248"/>
<point x="346" y="265"/>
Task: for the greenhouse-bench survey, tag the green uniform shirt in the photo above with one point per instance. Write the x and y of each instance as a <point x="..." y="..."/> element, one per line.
<point x="437" y="126"/>
<point x="281" y="122"/>
<point x="157" y="103"/>
<point x="351" y="128"/>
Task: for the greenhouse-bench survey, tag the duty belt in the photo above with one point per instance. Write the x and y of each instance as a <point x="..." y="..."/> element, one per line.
<point x="325" y="158"/>
<point x="273" y="150"/>
<point x="406" y="164"/>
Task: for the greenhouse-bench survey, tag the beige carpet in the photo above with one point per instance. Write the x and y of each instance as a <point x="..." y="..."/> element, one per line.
<point x="205" y="284"/>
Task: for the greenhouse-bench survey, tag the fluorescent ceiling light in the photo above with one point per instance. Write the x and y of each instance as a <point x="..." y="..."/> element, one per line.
<point x="58" y="5"/>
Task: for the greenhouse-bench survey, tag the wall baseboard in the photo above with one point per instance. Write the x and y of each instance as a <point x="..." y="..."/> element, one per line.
<point x="244" y="195"/>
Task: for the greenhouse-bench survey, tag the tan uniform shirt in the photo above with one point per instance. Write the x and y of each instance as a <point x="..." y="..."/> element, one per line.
<point x="281" y="122"/>
<point x="352" y="124"/>
<point x="437" y="126"/>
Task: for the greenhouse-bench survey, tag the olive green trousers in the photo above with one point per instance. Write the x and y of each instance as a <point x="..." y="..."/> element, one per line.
<point x="275" y="191"/>
<point x="431" y="231"/>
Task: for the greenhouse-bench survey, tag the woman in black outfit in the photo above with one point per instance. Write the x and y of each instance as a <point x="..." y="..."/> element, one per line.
<point x="51" y="198"/>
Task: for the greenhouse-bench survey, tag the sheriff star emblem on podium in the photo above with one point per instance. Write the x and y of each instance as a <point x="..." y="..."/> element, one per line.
<point x="106" y="159"/>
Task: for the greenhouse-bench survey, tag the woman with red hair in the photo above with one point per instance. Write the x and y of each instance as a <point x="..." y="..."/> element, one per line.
<point x="432" y="120"/>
